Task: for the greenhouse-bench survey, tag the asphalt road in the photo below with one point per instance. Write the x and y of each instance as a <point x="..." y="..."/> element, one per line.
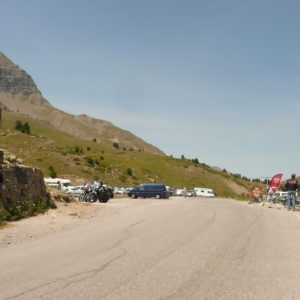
<point x="166" y="249"/>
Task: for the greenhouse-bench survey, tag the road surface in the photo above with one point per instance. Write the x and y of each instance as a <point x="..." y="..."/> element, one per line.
<point x="179" y="248"/>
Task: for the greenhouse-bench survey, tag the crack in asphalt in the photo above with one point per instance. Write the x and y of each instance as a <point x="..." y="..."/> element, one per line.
<point x="83" y="275"/>
<point x="224" y="251"/>
<point x="168" y="254"/>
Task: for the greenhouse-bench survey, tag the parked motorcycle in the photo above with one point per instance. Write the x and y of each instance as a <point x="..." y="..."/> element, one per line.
<point x="83" y="197"/>
<point x="96" y="192"/>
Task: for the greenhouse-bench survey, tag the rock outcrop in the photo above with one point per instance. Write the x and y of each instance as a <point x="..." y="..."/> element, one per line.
<point x="14" y="80"/>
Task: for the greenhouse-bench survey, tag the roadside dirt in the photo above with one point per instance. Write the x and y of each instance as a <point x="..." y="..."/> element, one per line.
<point x="65" y="217"/>
<point x="236" y="188"/>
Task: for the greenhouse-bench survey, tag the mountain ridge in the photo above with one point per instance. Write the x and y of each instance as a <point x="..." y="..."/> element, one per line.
<point x="19" y="93"/>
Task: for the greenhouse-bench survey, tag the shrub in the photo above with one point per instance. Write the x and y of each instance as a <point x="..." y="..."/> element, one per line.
<point x="195" y="161"/>
<point x="116" y="145"/>
<point x="3" y="215"/>
<point x="77" y="161"/>
<point x="78" y="150"/>
<point x="122" y="178"/>
<point x="89" y="161"/>
<point x="24" y="128"/>
<point x="24" y="209"/>
<point x="129" y="172"/>
<point x="19" y="125"/>
<point x="52" y="172"/>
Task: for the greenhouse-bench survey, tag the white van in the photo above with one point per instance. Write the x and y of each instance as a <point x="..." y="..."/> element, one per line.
<point x="55" y="182"/>
<point x="204" y="192"/>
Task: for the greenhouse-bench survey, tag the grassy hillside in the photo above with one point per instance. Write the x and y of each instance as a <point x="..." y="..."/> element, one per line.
<point x="81" y="126"/>
<point x="80" y="160"/>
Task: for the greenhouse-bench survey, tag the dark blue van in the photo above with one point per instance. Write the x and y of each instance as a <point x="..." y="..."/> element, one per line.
<point x="149" y="190"/>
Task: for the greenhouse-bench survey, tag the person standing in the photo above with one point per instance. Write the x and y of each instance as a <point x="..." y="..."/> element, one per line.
<point x="184" y="191"/>
<point x="291" y="186"/>
<point x="58" y="185"/>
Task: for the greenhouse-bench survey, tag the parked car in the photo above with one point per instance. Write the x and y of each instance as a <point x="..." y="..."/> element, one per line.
<point x="148" y="191"/>
<point x="191" y="193"/>
<point x="75" y="190"/>
<point x="120" y="190"/>
<point x="171" y="191"/>
<point x="179" y="192"/>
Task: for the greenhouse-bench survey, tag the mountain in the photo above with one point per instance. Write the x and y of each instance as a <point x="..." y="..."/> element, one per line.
<point x="19" y="93"/>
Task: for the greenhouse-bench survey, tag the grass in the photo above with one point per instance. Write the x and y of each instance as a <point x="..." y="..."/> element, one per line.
<point x="75" y="158"/>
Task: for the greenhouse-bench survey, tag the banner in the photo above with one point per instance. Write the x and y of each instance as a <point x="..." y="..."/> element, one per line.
<point x="275" y="182"/>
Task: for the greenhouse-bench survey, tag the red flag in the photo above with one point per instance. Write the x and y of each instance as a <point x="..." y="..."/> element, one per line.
<point x="275" y="182"/>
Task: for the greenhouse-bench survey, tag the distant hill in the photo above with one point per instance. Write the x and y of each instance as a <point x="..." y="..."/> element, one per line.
<point x="19" y="93"/>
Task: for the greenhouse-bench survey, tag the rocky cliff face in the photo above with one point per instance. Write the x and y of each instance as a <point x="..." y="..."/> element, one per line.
<point x="14" y="80"/>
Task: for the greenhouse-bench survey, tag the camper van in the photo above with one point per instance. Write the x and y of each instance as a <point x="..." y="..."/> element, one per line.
<point x="57" y="183"/>
<point x="204" y="192"/>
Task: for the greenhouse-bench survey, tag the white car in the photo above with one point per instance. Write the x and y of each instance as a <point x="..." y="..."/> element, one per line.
<point x="179" y="192"/>
<point x="75" y="190"/>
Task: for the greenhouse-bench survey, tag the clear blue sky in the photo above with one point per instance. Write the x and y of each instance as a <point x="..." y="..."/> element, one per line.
<point x="217" y="80"/>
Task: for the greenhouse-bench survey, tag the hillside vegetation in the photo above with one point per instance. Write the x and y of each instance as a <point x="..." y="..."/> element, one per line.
<point x="82" y="160"/>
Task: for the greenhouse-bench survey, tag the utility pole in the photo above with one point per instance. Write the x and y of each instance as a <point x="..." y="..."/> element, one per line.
<point x="265" y="177"/>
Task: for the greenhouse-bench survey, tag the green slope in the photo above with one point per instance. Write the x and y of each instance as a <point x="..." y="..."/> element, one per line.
<point x="86" y="160"/>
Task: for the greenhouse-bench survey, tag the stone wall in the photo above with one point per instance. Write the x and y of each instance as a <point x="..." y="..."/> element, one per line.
<point x="19" y="183"/>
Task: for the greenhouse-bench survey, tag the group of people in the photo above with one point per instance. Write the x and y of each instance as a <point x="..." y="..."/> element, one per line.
<point x="291" y="187"/>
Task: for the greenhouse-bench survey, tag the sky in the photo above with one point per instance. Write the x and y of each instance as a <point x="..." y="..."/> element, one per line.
<point x="214" y="80"/>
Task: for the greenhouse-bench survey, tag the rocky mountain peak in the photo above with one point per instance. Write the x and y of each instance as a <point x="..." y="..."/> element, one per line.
<point x="14" y="80"/>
